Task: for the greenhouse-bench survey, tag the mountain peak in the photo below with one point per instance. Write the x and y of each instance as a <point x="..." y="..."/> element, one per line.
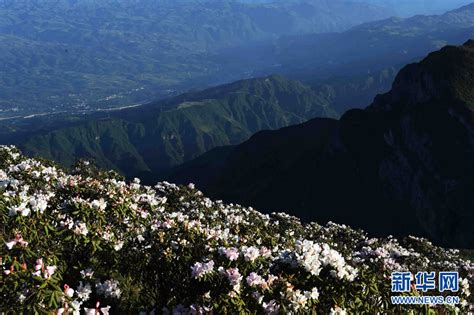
<point x="466" y="7"/>
<point x="470" y="43"/>
<point x="447" y="74"/>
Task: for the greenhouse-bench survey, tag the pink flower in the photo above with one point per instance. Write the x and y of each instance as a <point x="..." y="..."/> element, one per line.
<point x="265" y="252"/>
<point x="18" y="240"/>
<point x="49" y="272"/>
<point x="40" y="268"/>
<point x="232" y="254"/>
<point x="271" y="307"/>
<point x="234" y="276"/>
<point x="254" y="279"/>
<point x="68" y="290"/>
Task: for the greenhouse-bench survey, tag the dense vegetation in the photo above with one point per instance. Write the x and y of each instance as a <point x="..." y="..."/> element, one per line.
<point x="88" y="241"/>
<point x="403" y="165"/>
<point x="75" y="55"/>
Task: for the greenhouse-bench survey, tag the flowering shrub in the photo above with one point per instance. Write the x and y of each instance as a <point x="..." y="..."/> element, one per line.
<point x="88" y="241"/>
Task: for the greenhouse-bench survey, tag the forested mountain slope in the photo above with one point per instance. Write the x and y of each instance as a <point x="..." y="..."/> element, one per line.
<point x="152" y="138"/>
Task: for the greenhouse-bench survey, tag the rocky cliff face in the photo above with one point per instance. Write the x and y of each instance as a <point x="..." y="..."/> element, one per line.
<point x="446" y="75"/>
<point x="404" y="165"/>
<point x="427" y="125"/>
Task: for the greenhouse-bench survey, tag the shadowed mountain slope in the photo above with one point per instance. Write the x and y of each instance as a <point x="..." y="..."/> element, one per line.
<point x="404" y="165"/>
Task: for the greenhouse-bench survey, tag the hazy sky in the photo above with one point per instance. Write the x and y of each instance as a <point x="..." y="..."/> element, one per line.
<point x="412" y="7"/>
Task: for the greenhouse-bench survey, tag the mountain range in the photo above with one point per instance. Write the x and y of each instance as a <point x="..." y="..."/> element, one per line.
<point x="372" y="46"/>
<point x="401" y="166"/>
<point x="72" y="55"/>
<point x="415" y="7"/>
<point x="80" y="56"/>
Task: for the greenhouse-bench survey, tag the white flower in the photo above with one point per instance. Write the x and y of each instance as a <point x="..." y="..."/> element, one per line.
<point x="25" y="212"/>
<point x="38" y="203"/>
<point x="11" y="244"/>
<point x="251" y="253"/>
<point x="22" y="209"/>
<point x="69" y="292"/>
<point x="265" y="252"/>
<point x="337" y="311"/>
<point x="87" y="273"/>
<point x="198" y="270"/>
<point x="313" y="257"/>
<point x="76" y="307"/>
<point x="84" y="291"/>
<point x="3" y="175"/>
<point x="110" y="288"/>
<point x="118" y="246"/>
<point x="105" y="310"/>
<point x="314" y="294"/>
<point x="49" y="271"/>
<point x="80" y="228"/>
<point x="464" y="284"/>
<point x="100" y="204"/>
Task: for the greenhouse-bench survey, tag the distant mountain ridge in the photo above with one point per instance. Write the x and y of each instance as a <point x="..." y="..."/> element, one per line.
<point x="373" y="45"/>
<point x="416" y="7"/>
<point x="402" y="166"/>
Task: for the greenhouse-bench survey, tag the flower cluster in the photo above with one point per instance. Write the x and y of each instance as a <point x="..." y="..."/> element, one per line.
<point x="88" y="241"/>
<point x="109" y="288"/>
<point x="313" y="257"/>
<point x="201" y="269"/>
